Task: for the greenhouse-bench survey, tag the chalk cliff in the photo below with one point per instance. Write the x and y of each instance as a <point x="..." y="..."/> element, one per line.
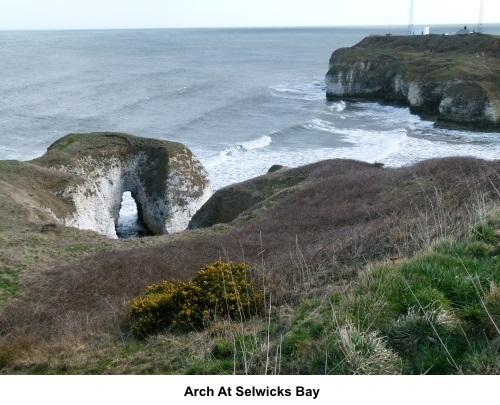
<point x="454" y="80"/>
<point x="168" y="183"/>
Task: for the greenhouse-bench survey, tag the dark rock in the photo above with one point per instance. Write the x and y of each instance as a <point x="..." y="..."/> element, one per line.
<point x="275" y="168"/>
<point x="246" y="198"/>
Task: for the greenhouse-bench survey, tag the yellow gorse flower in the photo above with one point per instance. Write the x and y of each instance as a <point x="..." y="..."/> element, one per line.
<point x="221" y="289"/>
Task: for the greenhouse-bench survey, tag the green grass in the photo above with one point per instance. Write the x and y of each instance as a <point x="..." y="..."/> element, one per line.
<point x="66" y="141"/>
<point x="9" y="164"/>
<point x="9" y="284"/>
<point x="438" y="310"/>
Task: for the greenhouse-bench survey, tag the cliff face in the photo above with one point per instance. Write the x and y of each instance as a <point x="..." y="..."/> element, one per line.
<point x="166" y="180"/>
<point x="454" y="80"/>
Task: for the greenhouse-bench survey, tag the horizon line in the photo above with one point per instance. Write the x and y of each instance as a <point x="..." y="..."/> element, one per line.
<point x="243" y="27"/>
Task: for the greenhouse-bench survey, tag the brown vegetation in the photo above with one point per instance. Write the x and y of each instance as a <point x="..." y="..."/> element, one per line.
<point x="346" y="215"/>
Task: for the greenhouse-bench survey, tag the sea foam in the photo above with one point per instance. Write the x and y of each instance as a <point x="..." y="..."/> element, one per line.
<point x="310" y="91"/>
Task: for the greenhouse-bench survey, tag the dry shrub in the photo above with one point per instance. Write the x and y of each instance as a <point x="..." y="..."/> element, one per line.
<point x="13" y="350"/>
<point x="155" y="307"/>
<point x="365" y="353"/>
<point x="492" y="309"/>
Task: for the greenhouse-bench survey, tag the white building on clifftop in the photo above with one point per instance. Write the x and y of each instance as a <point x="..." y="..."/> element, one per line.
<point x="419" y="31"/>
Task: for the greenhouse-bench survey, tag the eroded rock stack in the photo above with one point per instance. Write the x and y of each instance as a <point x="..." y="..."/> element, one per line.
<point x="167" y="181"/>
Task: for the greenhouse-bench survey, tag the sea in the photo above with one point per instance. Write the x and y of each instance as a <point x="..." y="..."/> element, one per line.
<point x="242" y="99"/>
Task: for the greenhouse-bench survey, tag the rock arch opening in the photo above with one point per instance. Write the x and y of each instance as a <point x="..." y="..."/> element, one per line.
<point x="130" y="223"/>
<point x="164" y="178"/>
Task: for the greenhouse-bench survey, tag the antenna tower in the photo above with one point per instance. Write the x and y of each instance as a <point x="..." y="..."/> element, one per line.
<point x="410" y="23"/>
<point x="480" y="27"/>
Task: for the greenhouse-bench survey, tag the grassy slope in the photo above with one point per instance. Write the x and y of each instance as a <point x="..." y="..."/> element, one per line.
<point x="437" y="312"/>
<point x="69" y="317"/>
<point x="240" y="201"/>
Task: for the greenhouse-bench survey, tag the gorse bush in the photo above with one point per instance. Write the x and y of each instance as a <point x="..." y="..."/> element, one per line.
<point x="154" y="308"/>
<point x="219" y="290"/>
<point x="225" y="290"/>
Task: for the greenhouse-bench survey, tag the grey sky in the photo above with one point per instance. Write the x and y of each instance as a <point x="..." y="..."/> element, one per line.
<point x="68" y="14"/>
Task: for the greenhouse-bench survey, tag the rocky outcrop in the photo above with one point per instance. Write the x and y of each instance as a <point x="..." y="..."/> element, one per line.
<point x="244" y="200"/>
<point x="167" y="182"/>
<point x="454" y="80"/>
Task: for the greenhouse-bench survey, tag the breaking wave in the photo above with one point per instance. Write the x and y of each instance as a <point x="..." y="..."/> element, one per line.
<point x="338" y="106"/>
<point x="306" y="91"/>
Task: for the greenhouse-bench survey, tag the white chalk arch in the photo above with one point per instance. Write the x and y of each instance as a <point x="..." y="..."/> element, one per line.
<point x="130" y="224"/>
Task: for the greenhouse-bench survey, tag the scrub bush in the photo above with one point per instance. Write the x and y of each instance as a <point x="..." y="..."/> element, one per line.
<point x="155" y="308"/>
<point x="219" y="290"/>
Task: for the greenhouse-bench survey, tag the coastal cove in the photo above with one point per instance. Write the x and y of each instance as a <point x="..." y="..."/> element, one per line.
<point x="241" y="100"/>
<point x="284" y="230"/>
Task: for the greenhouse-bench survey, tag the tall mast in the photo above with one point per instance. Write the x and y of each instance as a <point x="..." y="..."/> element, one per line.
<point x="410" y="23"/>
<point x="480" y="27"/>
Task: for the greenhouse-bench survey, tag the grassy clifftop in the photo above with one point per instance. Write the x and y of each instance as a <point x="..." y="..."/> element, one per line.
<point x="443" y="57"/>
<point x="66" y="149"/>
